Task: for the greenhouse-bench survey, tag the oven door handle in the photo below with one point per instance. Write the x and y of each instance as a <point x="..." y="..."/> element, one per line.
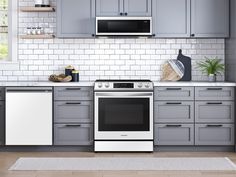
<point x="123" y="94"/>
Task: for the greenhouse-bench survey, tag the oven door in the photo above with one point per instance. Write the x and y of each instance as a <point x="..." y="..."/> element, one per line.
<point x="123" y="115"/>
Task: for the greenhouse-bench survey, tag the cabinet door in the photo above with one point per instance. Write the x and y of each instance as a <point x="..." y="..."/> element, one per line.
<point x="210" y="18"/>
<point x="171" y="18"/>
<point x="174" y="111"/>
<point x="214" y="111"/>
<point x="2" y="93"/>
<point x="173" y="93"/>
<point x="2" y="122"/>
<point x="214" y="134"/>
<point x="73" y="134"/>
<point x="73" y="111"/>
<point x="214" y="93"/>
<point x="109" y="7"/>
<point x="171" y="134"/>
<point x="75" y="18"/>
<point x="137" y="7"/>
<point x="73" y="93"/>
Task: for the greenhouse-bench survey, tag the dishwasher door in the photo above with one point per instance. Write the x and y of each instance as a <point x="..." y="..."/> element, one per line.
<point x="29" y="116"/>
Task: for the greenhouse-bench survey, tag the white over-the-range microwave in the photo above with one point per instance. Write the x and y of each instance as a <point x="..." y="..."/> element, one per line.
<point x="123" y="26"/>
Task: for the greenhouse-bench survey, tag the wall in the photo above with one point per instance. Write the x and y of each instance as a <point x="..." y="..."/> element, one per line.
<point x="102" y="58"/>
<point x="231" y="45"/>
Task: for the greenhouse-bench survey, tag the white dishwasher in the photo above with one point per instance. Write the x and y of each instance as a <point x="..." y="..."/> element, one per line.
<point x="29" y="116"/>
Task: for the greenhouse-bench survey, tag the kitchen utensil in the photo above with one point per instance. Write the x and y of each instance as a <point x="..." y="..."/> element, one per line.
<point x="187" y="66"/>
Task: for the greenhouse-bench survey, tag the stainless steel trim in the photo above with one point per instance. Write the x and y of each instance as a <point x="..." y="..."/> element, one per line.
<point x="117" y="135"/>
<point x="123" y="18"/>
<point x="120" y="94"/>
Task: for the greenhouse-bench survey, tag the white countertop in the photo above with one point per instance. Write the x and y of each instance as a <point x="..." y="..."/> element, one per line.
<point x="160" y="83"/>
<point x="193" y="84"/>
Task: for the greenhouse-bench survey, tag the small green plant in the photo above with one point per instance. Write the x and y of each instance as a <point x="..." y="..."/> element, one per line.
<point x="211" y="66"/>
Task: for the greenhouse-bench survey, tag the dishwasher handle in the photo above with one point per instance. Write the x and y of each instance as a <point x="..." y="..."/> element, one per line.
<point x="28" y="89"/>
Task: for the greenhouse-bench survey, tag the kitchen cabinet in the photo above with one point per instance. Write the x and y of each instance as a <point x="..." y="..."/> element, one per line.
<point x="214" y="134"/>
<point x="214" y="111"/>
<point x="210" y="18"/>
<point x="123" y="7"/>
<point x="191" y="18"/>
<point x="171" y="18"/>
<point x="174" y="111"/>
<point x="214" y="93"/>
<point x="173" y="93"/>
<point x="174" y="134"/>
<point x="75" y="18"/>
<point x="73" y="134"/>
<point x="200" y="116"/>
<point x="2" y="123"/>
<point x="73" y="116"/>
<point x="73" y="111"/>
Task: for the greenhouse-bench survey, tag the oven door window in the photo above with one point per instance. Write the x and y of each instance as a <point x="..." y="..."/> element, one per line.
<point x="123" y="114"/>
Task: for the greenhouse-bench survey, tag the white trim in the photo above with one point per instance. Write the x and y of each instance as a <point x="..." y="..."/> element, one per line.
<point x="11" y="63"/>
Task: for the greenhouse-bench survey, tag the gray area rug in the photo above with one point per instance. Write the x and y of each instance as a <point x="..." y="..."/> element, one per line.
<point x="122" y="163"/>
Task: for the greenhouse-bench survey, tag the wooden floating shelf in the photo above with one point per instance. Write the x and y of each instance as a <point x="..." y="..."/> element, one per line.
<point x="37" y="9"/>
<point x="38" y="36"/>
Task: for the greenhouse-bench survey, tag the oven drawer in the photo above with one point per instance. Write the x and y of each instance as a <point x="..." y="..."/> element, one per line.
<point x="73" y="134"/>
<point x="174" y="111"/>
<point x="214" y="93"/>
<point x="73" y="93"/>
<point x="214" y="134"/>
<point x="73" y="111"/>
<point x="173" y="93"/>
<point x="214" y="111"/>
<point x="174" y="134"/>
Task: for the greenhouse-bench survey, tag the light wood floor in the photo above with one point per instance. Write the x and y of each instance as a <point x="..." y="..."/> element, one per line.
<point x="8" y="158"/>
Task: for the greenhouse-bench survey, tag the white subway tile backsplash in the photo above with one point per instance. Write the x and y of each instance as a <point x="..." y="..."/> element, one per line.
<point x="102" y="58"/>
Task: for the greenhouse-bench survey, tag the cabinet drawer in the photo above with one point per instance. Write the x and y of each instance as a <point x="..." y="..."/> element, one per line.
<point x="73" y="111"/>
<point x="174" y="93"/>
<point x="174" y="134"/>
<point x="73" y="134"/>
<point x="214" y="134"/>
<point x="73" y="93"/>
<point x="214" y="93"/>
<point x="214" y="111"/>
<point x="174" y="111"/>
<point x="2" y="123"/>
<point x="2" y="93"/>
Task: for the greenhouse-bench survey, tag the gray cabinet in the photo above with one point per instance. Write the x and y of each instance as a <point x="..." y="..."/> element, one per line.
<point x="174" y="111"/>
<point x="210" y="18"/>
<point x="2" y="93"/>
<point x="73" y="115"/>
<point x="123" y="7"/>
<point x="109" y="7"/>
<point x="171" y="18"/>
<point x="75" y="18"/>
<point x="214" y="93"/>
<point x="73" y="134"/>
<point x="214" y="111"/>
<point x="138" y="7"/>
<point x="73" y="111"/>
<point x="174" y="93"/>
<point x="174" y="134"/>
<point x="191" y="18"/>
<point x="214" y="134"/>
<point x="2" y="122"/>
<point x="73" y="93"/>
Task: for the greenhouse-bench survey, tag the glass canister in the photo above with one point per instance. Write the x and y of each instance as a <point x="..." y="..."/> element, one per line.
<point x="75" y="76"/>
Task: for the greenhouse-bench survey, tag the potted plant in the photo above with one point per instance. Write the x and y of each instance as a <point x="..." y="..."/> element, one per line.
<point x="211" y="67"/>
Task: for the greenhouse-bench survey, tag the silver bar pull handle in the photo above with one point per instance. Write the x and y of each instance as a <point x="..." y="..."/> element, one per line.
<point x="173" y="88"/>
<point x="174" y="126"/>
<point x="174" y="103"/>
<point x="214" y="125"/>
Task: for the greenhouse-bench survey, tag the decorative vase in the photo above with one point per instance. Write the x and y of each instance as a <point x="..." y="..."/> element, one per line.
<point x="212" y="77"/>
